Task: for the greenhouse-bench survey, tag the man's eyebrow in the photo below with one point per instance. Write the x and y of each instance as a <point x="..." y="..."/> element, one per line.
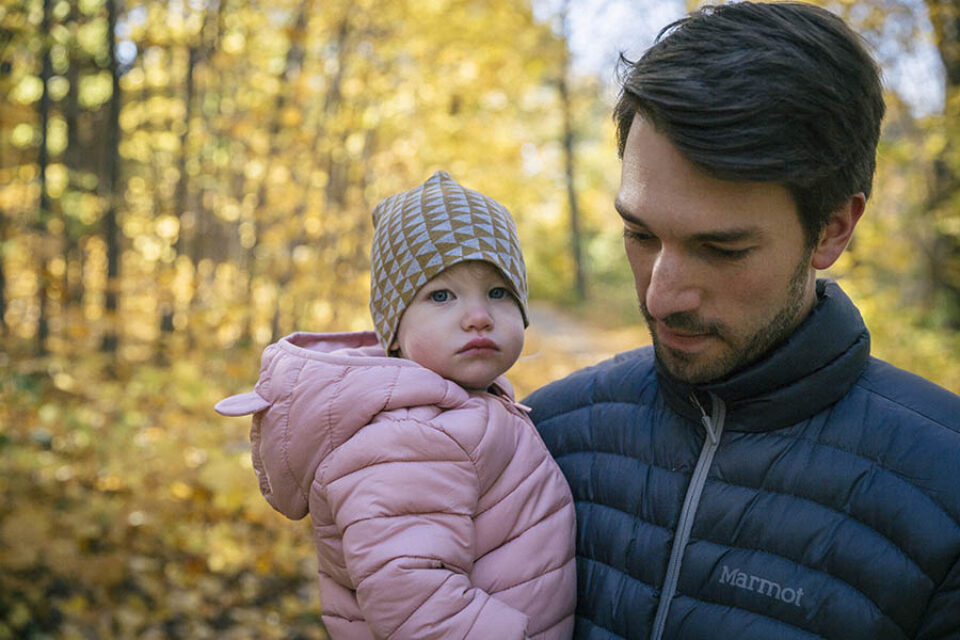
<point x="721" y="235"/>
<point x="729" y="235"/>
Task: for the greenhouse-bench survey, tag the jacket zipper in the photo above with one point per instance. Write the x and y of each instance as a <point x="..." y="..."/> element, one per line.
<point x="713" y="426"/>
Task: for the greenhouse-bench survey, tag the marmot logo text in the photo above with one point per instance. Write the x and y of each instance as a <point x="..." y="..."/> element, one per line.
<point x="761" y="585"/>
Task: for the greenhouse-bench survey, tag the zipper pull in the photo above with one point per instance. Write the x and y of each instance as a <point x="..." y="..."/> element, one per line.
<point x="505" y="399"/>
<point x="522" y="407"/>
<point x="705" y="419"/>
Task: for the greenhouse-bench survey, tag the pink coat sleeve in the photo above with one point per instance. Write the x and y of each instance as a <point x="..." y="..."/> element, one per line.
<point x="403" y="494"/>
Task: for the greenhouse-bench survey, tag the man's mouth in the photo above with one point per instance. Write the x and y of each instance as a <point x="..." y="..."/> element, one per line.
<point x="682" y="331"/>
<point x="682" y="339"/>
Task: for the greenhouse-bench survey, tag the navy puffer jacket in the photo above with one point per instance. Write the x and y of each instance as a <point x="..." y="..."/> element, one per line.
<point x="815" y="494"/>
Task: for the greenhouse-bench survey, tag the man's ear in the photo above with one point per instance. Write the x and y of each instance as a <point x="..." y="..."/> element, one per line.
<point x="836" y="235"/>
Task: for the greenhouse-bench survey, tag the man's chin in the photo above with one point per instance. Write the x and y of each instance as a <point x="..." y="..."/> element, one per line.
<point x="692" y="368"/>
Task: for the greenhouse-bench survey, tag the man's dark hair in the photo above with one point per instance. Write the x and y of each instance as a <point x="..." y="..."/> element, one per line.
<point x="780" y="92"/>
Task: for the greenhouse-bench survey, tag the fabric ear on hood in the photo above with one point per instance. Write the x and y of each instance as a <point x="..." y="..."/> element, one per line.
<point x="242" y="404"/>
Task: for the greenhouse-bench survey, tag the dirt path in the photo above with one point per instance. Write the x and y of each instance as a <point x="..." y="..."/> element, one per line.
<point x="559" y="342"/>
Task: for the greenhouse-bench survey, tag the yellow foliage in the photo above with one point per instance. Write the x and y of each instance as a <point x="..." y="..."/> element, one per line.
<point x="94" y="90"/>
<point x="28" y="90"/>
<point x="243" y="203"/>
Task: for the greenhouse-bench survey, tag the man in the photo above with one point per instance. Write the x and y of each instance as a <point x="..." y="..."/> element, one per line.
<point x="755" y="475"/>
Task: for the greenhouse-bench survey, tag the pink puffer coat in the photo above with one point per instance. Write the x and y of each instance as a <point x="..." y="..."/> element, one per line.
<point x="437" y="512"/>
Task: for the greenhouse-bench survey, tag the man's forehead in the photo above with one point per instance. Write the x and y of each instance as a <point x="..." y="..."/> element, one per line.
<point x="660" y="186"/>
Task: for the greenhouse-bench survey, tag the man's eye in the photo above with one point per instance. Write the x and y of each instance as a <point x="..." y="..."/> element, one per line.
<point x="636" y="236"/>
<point x="728" y="254"/>
<point x="441" y="295"/>
<point x="499" y="292"/>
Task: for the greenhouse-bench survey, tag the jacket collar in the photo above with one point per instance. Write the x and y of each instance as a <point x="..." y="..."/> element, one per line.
<point x="812" y="369"/>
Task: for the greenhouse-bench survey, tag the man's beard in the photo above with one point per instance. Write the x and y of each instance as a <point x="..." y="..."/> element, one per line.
<point x="685" y="367"/>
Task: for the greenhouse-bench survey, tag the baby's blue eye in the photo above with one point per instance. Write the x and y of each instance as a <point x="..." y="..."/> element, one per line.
<point x="499" y="292"/>
<point x="441" y="295"/>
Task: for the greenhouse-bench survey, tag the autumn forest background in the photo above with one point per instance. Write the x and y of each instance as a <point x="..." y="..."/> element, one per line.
<point x="184" y="181"/>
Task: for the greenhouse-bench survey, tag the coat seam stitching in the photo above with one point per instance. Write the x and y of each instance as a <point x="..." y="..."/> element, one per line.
<point x="439" y="429"/>
<point x="762" y="615"/>
<point x="433" y="427"/>
<point x="869" y="388"/>
<point x="595" y="623"/>
<point x="516" y="488"/>
<point x="536" y="577"/>
<point x="543" y="519"/>
<point x="730" y="546"/>
<point x="896" y="546"/>
<point x="327" y="480"/>
<point x="831" y="508"/>
<point x="417" y="608"/>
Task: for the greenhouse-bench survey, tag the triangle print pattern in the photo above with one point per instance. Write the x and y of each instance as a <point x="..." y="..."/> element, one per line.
<point x="421" y="232"/>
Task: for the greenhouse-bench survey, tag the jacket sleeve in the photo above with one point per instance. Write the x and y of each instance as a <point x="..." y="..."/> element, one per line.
<point x="942" y="618"/>
<point x="403" y="495"/>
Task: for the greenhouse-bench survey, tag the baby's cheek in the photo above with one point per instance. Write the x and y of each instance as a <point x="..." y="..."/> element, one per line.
<point x="426" y="351"/>
<point x="422" y="343"/>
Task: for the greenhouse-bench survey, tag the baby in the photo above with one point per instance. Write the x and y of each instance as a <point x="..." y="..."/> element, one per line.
<point x="437" y="510"/>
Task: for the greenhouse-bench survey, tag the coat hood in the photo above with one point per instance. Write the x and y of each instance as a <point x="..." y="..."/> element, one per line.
<point x="315" y="391"/>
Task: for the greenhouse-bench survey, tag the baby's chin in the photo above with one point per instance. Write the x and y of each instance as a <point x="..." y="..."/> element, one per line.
<point x="478" y="383"/>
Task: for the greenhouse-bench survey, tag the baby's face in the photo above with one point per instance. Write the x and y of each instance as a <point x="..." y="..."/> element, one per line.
<point x="463" y="324"/>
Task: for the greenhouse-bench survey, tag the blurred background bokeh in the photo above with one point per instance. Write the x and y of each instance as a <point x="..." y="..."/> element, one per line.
<point x="184" y="181"/>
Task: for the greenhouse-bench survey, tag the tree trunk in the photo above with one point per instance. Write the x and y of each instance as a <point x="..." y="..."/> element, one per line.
<point x="72" y="290"/>
<point x="336" y="171"/>
<point x="43" y="321"/>
<point x="292" y="67"/>
<point x="4" y="329"/>
<point x="183" y="182"/>
<point x="111" y="229"/>
<point x="944" y="269"/>
<point x="166" y="295"/>
<point x="569" y="157"/>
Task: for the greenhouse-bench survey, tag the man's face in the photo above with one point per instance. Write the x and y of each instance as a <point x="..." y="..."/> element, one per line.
<point x="721" y="268"/>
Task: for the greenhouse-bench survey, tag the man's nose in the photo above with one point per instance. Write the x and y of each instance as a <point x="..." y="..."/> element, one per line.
<point x="671" y="288"/>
